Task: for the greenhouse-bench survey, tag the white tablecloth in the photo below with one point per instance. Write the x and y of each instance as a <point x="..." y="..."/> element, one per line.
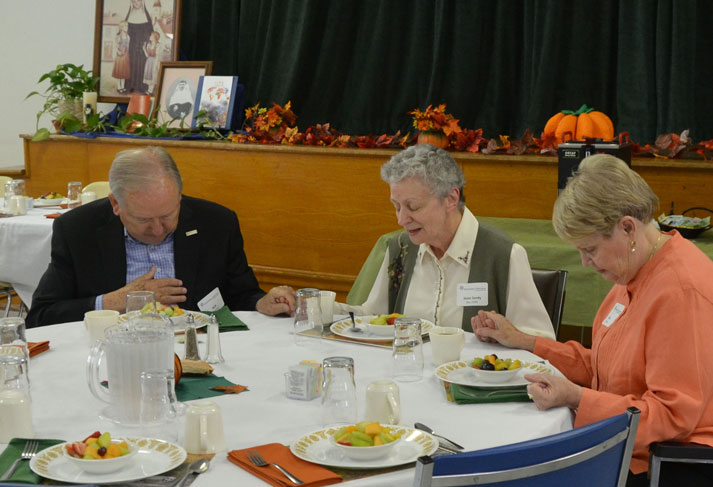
<point x="25" y="244"/>
<point x="63" y="407"/>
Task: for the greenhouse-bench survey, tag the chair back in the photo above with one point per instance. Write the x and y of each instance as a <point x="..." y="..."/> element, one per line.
<point x="3" y="180"/>
<point x="596" y="455"/>
<point x="101" y="188"/>
<point x="551" y="286"/>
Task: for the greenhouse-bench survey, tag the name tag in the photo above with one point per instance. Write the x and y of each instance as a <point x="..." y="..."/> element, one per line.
<point x="615" y="312"/>
<point x="472" y="294"/>
<point x="212" y="302"/>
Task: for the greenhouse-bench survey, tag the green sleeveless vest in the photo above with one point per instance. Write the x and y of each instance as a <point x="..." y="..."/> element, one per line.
<point x="491" y="264"/>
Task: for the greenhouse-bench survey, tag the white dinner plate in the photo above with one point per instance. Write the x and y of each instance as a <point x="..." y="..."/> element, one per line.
<point x="343" y="328"/>
<point x="461" y="373"/>
<point x="315" y="447"/>
<point x="154" y="457"/>
<point x="179" y="322"/>
<point x="40" y="202"/>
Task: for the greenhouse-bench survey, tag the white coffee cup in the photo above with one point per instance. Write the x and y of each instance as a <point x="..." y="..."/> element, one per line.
<point x="204" y="428"/>
<point x="98" y="321"/>
<point x="383" y="402"/>
<point x="446" y="344"/>
<point x="15" y="418"/>
<point x="88" y="196"/>
<point x="326" y="299"/>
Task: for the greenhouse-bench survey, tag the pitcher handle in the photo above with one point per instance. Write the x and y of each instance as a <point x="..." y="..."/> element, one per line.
<point x="93" y="362"/>
<point x="395" y="408"/>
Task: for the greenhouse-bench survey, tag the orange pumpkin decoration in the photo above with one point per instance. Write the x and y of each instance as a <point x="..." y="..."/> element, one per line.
<point x="435" y="138"/>
<point x="177" y="368"/>
<point x="585" y="123"/>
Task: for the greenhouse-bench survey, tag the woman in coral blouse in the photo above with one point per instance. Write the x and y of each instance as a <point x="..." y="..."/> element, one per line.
<point x="652" y="335"/>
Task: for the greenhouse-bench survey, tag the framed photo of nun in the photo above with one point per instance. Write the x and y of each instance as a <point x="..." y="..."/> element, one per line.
<point x="177" y="91"/>
<point x="131" y="40"/>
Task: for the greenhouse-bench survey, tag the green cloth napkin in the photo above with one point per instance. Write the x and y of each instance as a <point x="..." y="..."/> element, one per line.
<point x="477" y="395"/>
<point x="198" y="387"/>
<point x="23" y="472"/>
<point x="227" y="321"/>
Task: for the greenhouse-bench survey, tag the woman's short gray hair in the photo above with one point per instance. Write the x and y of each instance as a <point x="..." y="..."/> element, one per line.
<point x="436" y="167"/>
<point x="138" y="169"/>
<point x="602" y="191"/>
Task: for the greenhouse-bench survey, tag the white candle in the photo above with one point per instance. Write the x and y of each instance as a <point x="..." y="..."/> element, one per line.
<point x="89" y="104"/>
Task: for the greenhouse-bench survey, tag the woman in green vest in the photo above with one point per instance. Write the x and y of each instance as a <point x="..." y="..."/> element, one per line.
<point x="445" y="265"/>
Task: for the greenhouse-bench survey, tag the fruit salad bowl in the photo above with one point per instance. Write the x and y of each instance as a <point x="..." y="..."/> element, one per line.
<point x="366" y="452"/>
<point x="104" y="456"/>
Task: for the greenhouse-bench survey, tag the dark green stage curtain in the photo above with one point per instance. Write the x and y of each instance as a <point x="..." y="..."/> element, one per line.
<point x="500" y="65"/>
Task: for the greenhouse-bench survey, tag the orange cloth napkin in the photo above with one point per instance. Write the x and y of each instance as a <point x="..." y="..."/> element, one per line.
<point x="38" y="347"/>
<point x="53" y="215"/>
<point x="311" y="474"/>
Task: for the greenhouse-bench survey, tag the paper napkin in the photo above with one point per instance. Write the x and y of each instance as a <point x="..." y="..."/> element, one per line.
<point x="12" y="452"/>
<point x="38" y="347"/>
<point x="311" y="474"/>
<point x="199" y="387"/>
<point x="228" y="321"/>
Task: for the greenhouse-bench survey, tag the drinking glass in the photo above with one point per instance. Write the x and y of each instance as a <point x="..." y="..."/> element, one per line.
<point x="15" y="415"/>
<point x="339" y="400"/>
<point x="308" y="314"/>
<point x="136" y="300"/>
<point x="12" y="332"/>
<point x="19" y="187"/>
<point x="9" y="192"/>
<point x="407" y="352"/>
<point x="74" y="190"/>
<point x="159" y="407"/>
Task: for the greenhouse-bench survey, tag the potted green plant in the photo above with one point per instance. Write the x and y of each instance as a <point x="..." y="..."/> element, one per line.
<point x="63" y="96"/>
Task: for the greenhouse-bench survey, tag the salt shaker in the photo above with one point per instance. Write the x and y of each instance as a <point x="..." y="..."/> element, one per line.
<point x="214" y="354"/>
<point x="191" y="339"/>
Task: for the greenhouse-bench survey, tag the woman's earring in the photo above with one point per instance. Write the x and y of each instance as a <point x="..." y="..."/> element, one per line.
<point x="633" y="246"/>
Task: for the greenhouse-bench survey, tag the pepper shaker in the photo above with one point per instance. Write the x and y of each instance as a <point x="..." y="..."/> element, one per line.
<point x="214" y="354"/>
<point x="191" y="339"/>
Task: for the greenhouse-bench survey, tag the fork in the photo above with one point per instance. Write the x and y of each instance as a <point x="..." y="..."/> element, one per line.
<point x="28" y="452"/>
<point x="257" y="460"/>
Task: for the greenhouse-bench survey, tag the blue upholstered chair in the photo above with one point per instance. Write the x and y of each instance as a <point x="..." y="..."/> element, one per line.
<point x="594" y="455"/>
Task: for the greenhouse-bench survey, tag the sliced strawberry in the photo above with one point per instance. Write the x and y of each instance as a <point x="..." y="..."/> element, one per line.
<point x="390" y="321"/>
<point x="79" y="448"/>
<point x="96" y="434"/>
<point x="70" y="449"/>
<point x="345" y="443"/>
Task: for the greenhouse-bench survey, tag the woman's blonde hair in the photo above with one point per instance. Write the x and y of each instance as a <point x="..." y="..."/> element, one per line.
<point x="598" y="195"/>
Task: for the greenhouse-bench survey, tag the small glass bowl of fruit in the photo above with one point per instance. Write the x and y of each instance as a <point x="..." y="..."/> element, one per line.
<point x="495" y="370"/>
<point x="366" y="440"/>
<point x="98" y="453"/>
<point x="383" y="325"/>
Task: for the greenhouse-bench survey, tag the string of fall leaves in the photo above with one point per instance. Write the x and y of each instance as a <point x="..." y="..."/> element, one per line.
<point x="277" y="125"/>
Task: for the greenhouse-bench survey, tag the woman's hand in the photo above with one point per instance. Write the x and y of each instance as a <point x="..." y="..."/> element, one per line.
<point x="549" y="391"/>
<point x="492" y="327"/>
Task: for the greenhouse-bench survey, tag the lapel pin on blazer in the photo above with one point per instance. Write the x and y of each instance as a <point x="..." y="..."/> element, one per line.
<point x="191" y="232"/>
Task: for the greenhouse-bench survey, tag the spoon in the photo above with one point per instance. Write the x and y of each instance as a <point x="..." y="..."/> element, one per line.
<point x="198" y="466"/>
<point x="354" y="327"/>
<point x="423" y="427"/>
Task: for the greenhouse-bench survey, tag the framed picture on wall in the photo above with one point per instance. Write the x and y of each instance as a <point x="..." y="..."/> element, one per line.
<point x="177" y="90"/>
<point x="131" y="39"/>
<point x="217" y="96"/>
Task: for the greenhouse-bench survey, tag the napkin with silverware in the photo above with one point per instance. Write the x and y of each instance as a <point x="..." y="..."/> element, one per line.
<point x="23" y="473"/>
<point x="228" y="321"/>
<point x="311" y="474"/>
<point x="476" y="395"/>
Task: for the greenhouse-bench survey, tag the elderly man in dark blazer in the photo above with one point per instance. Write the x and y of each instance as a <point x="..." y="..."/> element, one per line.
<point x="147" y="236"/>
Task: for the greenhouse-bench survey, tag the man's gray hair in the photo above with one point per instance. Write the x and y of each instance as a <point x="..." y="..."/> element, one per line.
<point x="137" y="169"/>
<point x="434" y="166"/>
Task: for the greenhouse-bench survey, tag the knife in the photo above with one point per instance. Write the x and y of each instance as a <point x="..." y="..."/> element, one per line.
<point x="452" y="445"/>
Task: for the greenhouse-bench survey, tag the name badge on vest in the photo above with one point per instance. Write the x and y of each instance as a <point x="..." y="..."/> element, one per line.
<point x="615" y="312"/>
<point x="472" y="294"/>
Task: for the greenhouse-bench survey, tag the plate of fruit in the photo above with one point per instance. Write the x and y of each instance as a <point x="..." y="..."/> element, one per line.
<point x="51" y="198"/>
<point x="373" y="327"/>
<point x="123" y="459"/>
<point x="475" y="373"/>
<point x="324" y="448"/>
<point x="176" y="314"/>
